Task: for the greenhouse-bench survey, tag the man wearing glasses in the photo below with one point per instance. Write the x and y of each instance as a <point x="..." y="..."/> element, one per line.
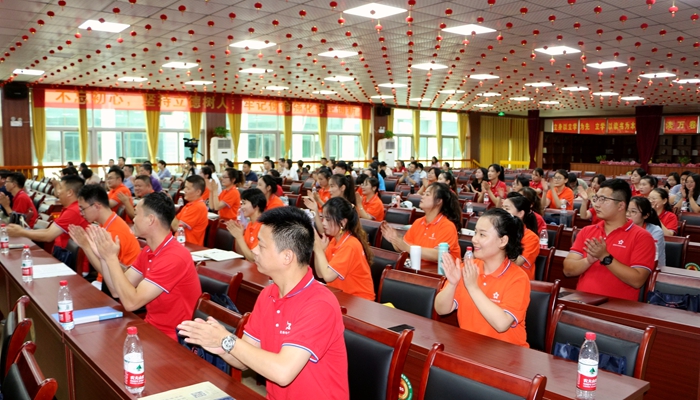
<point x="613" y="257"/>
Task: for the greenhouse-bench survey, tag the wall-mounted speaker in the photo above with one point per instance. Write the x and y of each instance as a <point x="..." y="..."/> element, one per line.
<point x="382" y="111"/>
<point x="15" y="90"/>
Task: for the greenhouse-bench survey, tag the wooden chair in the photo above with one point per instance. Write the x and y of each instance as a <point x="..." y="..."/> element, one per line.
<point x="410" y="292"/>
<point x="295" y="200"/>
<point x="543" y="301"/>
<point x="676" y="249"/>
<point x="554" y="235"/>
<point x="372" y="229"/>
<point x="25" y="381"/>
<point x="415" y="199"/>
<point x="667" y="282"/>
<point x="376" y="358"/>
<point x="390" y="184"/>
<point x="220" y="238"/>
<point x="405" y="190"/>
<point x="15" y="331"/>
<point x="383" y="259"/>
<point x="611" y="338"/>
<point x="447" y="376"/>
<point x="218" y="283"/>
<point x="387" y="196"/>
<point x="543" y="262"/>
<point x="401" y="216"/>
<point x="295" y="187"/>
<point x="692" y="225"/>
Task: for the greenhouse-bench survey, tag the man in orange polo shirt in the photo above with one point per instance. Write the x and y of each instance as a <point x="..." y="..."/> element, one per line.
<point x="193" y="216"/>
<point x="142" y="187"/>
<point x="94" y="206"/>
<point x="115" y="183"/>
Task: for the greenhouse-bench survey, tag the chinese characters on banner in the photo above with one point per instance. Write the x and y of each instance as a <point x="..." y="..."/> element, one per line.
<point x="566" y="125"/>
<point x="593" y="126"/>
<point x="680" y="125"/>
<point x="622" y="126"/>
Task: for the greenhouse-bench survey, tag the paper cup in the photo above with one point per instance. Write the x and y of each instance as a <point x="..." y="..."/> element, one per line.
<point x="415" y="257"/>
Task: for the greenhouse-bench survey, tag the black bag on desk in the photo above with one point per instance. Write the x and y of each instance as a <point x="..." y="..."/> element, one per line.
<point x="17" y="218"/>
<point x="690" y="302"/>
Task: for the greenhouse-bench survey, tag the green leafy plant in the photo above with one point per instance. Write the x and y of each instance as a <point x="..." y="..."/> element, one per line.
<point x="601" y="158"/>
<point x="388" y="134"/>
<point x="221" y="131"/>
<point x="683" y="160"/>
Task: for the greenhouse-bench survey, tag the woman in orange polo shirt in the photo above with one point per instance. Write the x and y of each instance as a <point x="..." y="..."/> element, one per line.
<point x="268" y="185"/>
<point x="336" y="254"/>
<point x="491" y="295"/>
<point x="557" y="191"/>
<point x="338" y="186"/>
<point x="519" y="206"/>
<point x="253" y="204"/>
<point x="322" y="194"/>
<point x="369" y="204"/>
<point x="228" y="202"/>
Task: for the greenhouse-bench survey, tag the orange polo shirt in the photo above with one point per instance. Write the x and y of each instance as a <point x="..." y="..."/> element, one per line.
<point x="531" y="249"/>
<point x="112" y="195"/>
<point x="193" y="217"/>
<point x="374" y="207"/>
<point x="347" y="259"/>
<point x="431" y="234"/>
<point x="206" y="193"/>
<point x="231" y="197"/>
<point x="274" y="202"/>
<point x="509" y="288"/>
<point x="129" y="247"/>
<point x="324" y="194"/>
<point x="251" y="234"/>
<point x="565" y="194"/>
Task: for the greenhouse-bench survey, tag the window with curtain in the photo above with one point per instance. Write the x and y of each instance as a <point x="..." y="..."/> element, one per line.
<point x="62" y="143"/>
<point x="305" y="144"/>
<point x="344" y="139"/>
<point x="120" y="133"/>
<point x="260" y="135"/>
<point x="174" y="127"/>
<point x="403" y="131"/>
<point x="450" y="142"/>
<point x="428" y="132"/>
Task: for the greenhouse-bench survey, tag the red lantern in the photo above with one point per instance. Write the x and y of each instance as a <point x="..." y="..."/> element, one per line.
<point x="50" y="14"/>
<point x="599" y="32"/>
<point x="619" y="39"/>
<point x="680" y="39"/>
<point x="210" y="23"/>
<point x="577" y="25"/>
<point x="443" y="25"/>
<point x="491" y="3"/>
<point x="148" y="27"/>
<point x="449" y="11"/>
<point x="552" y="18"/>
<point x="662" y="32"/>
<point x="232" y="16"/>
<point x="190" y="32"/>
<point x="598" y="9"/>
<point x="480" y="20"/>
<point x="536" y="32"/>
<point x="276" y="22"/>
<point x="132" y="33"/>
<point x="499" y="38"/>
<point x="61" y="3"/>
<point x="120" y="40"/>
<point x="409" y="19"/>
<point x="651" y="3"/>
<point x="32" y="30"/>
<point x="509" y="25"/>
<point x="341" y="20"/>
<point x="572" y="2"/>
<point x="78" y="35"/>
<point x="333" y="5"/>
<point x="163" y="17"/>
<point x="182" y="9"/>
<point x="523" y="10"/>
<point x="251" y="30"/>
<point x="302" y="14"/>
<point x="132" y="2"/>
<point x="673" y="10"/>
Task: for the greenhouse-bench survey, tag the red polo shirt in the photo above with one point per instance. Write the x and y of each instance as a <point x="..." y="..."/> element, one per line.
<point x="69" y="216"/>
<point x="536" y="185"/>
<point x="430" y="235"/>
<point x="670" y="221"/>
<point x="347" y="259"/>
<point x="541" y="225"/>
<point x="308" y="318"/>
<point x="193" y="217"/>
<point x="171" y="269"/>
<point x="22" y="204"/>
<point x="630" y="244"/>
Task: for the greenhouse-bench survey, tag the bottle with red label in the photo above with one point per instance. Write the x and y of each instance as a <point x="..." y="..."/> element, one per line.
<point x="65" y="307"/>
<point x="4" y="240"/>
<point x="27" y="265"/>
<point x="587" y="369"/>
<point x="134" y="368"/>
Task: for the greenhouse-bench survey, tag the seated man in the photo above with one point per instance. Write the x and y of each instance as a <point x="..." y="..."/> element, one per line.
<point x="163" y="277"/>
<point x="193" y="216"/>
<point x="163" y="171"/>
<point x="142" y="188"/>
<point x="613" y="257"/>
<point x="129" y="177"/>
<point x="4" y="173"/>
<point x="304" y="357"/>
<point x="147" y="169"/>
<point x="67" y="190"/>
<point x="21" y="203"/>
<point x="115" y="183"/>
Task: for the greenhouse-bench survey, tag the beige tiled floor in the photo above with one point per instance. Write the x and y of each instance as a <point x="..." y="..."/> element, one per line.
<point x="249" y="380"/>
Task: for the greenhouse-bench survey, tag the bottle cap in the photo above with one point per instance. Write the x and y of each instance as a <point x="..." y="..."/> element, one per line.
<point x="132" y="330"/>
<point x="26" y="246"/>
<point x="590" y="335"/>
<point x="2" y="225"/>
<point x="63" y="283"/>
<point x="469" y="248"/>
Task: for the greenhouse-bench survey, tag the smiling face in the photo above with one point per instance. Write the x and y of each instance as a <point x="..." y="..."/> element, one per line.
<point x="334" y="189"/>
<point x="428" y="202"/>
<point x="559" y="180"/>
<point x="487" y="243"/>
<point x="656" y="201"/>
<point x="671" y="180"/>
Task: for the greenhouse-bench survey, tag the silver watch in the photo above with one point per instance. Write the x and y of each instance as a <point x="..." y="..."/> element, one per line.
<point x="228" y="342"/>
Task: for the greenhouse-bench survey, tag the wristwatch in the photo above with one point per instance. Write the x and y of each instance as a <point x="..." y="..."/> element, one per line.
<point x="607" y="260"/>
<point x="228" y="342"/>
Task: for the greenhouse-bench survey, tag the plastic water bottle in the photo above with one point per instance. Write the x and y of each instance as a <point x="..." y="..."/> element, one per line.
<point x="27" y="265"/>
<point x="180" y="202"/>
<point x="242" y="219"/>
<point x="285" y="200"/>
<point x="181" y="235"/>
<point x="487" y="200"/>
<point x="469" y="255"/>
<point x="442" y="249"/>
<point x="587" y="369"/>
<point x="684" y="206"/>
<point x="544" y="239"/>
<point x="134" y="368"/>
<point x="4" y="240"/>
<point x="65" y="307"/>
<point x="562" y="213"/>
<point x="313" y="188"/>
<point x="470" y="207"/>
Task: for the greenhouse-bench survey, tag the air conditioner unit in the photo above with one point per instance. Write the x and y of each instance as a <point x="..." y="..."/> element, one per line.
<point x="221" y="149"/>
<point x="386" y="151"/>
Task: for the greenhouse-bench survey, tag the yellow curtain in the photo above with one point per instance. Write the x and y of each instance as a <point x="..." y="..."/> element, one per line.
<point x="416" y="134"/>
<point x="322" y="132"/>
<point x="463" y="132"/>
<point x="365" y="128"/>
<point x="519" y="141"/>
<point x="82" y="127"/>
<point x="234" y="120"/>
<point x="495" y="139"/>
<point x="152" y="125"/>
<point x="39" y="126"/>
<point x="438" y="133"/>
<point x="195" y="124"/>
<point x="288" y="135"/>
<point x="390" y="121"/>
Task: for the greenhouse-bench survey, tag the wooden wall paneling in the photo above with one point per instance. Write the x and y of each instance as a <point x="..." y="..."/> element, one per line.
<point x="16" y="141"/>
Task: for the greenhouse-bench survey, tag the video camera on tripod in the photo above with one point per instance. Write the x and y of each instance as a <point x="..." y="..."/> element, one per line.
<point x="192" y="144"/>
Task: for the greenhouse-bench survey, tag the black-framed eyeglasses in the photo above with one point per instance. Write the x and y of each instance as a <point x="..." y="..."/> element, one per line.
<point x="82" y="210"/>
<point x="602" y="199"/>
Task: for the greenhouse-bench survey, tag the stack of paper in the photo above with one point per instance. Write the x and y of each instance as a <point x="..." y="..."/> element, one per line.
<point x="52" y="270"/>
<point x="215" y="254"/>
<point x="93" y="315"/>
<point x="200" y="391"/>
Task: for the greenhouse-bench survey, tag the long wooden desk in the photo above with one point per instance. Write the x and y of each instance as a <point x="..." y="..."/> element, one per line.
<point x="87" y="362"/>
<point x="615" y="170"/>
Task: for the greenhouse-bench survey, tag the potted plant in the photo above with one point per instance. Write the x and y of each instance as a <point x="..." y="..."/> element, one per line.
<point x="683" y="160"/>
<point x="601" y="158"/>
<point x="388" y="134"/>
<point x="221" y="131"/>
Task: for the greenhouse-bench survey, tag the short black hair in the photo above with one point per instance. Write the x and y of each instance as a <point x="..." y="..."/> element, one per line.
<point x="73" y="182"/>
<point x="19" y="179"/>
<point x="86" y="173"/>
<point x="94" y="194"/>
<point x="130" y="166"/>
<point x="117" y="171"/>
<point x="210" y="164"/>
<point x="255" y="197"/>
<point x="342" y="164"/>
<point x="83" y="165"/>
<point x="197" y="183"/>
<point x="69" y="171"/>
<point x="148" y="167"/>
<point x="271" y="182"/>
<point x="145" y="179"/>
<point x="161" y="205"/>
<point x="228" y="164"/>
<point x="620" y="188"/>
<point x="4" y="173"/>
<point x="122" y="158"/>
<point x="291" y="230"/>
<point x="206" y="171"/>
<point x="246" y="162"/>
<point x="163" y="163"/>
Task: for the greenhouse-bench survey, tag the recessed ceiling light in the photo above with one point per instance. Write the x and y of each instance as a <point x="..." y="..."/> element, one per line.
<point x="28" y="72"/>
<point x="198" y="83"/>
<point x="557" y="50"/>
<point x="392" y="85"/>
<point x="254" y="70"/>
<point x="469" y="29"/>
<point x="692" y="80"/>
<point x="340" y="78"/>
<point x="180" y="64"/>
<point x="450" y="91"/>
<point x="549" y="102"/>
<point x="606" y="64"/>
<point x="375" y="11"/>
<point x="488" y="94"/>
<point x="132" y="79"/>
<point x="324" y="92"/>
<point x="657" y="75"/>
<point x="383" y="96"/>
<point x="632" y="98"/>
<point x="428" y="66"/>
<point x="276" y="88"/>
<point x="338" y="54"/>
<point x="605" y="94"/>
<point x="521" y="98"/>
<point x="252" y="44"/>
<point x="483" y="105"/>
<point x="575" y="88"/>
<point x="539" y="84"/>
<point x="482" y="77"/>
<point x="418" y="99"/>
<point x="112" y="27"/>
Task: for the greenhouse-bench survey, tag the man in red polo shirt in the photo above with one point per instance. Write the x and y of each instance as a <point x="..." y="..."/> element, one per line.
<point x="67" y="192"/>
<point x="613" y="257"/>
<point x="193" y="216"/>
<point x="294" y="336"/>
<point x="21" y="203"/>
<point x="163" y="277"/>
<point x="115" y="183"/>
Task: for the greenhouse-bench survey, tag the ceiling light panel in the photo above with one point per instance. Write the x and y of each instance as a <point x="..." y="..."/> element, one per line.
<point x="375" y="11"/>
<point x="557" y="50"/>
<point x="469" y="29"/>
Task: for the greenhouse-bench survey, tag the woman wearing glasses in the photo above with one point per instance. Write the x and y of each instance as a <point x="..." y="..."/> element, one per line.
<point x="557" y="191"/>
<point x="642" y="214"/>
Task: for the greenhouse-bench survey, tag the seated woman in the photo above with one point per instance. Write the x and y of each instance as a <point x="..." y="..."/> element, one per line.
<point x="338" y="186"/>
<point x="574" y="183"/>
<point x="441" y="224"/>
<point x="519" y="206"/>
<point x="228" y="201"/>
<point x="660" y="203"/>
<point x="322" y="194"/>
<point x="478" y="178"/>
<point x="336" y="255"/>
<point x="690" y="194"/>
<point x="490" y="294"/>
<point x="268" y="185"/>
<point x="646" y="184"/>
<point x="494" y="190"/>
<point x="535" y="206"/>
<point x="369" y="204"/>
<point x="253" y="204"/>
<point x="448" y="179"/>
<point x="536" y="183"/>
<point x="519" y="183"/>
<point x="635" y="178"/>
<point x="640" y="212"/>
<point x="433" y="175"/>
<point x="586" y="211"/>
<point x="557" y="191"/>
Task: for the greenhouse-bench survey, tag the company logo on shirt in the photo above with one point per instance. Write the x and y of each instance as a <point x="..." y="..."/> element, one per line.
<point x="495" y="298"/>
<point x="620" y="243"/>
<point x="287" y="329"/>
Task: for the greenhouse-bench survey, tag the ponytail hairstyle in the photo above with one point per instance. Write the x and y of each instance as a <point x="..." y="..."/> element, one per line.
<point x="653" y="182"/>
<point x="271" y="182"/>
<point x="521" y="203"/>
<point x="338" y="209"/>
<point x="450" y="203"/>
<point x="345" y="180"/>
<point x="510" y="226"/>
<point x="234" y="176"/>
<point x="451" y="181"/>
<point x="664" y="196"/>
<point x="535" y="203"/>
<point x="648" y="213"/>
<point x="499" y="169"/>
